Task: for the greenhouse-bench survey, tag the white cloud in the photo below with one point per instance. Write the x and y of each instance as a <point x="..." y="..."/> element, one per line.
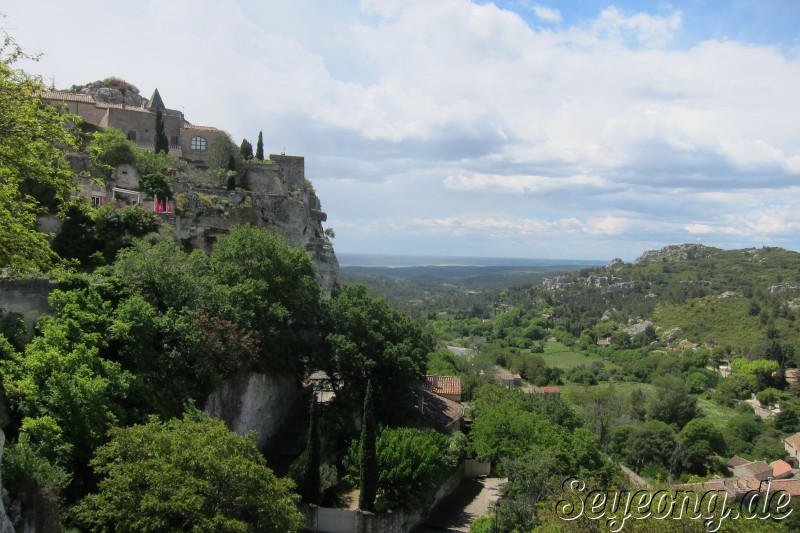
<point x="417" y="110"/>
<point x="547" y="14"/>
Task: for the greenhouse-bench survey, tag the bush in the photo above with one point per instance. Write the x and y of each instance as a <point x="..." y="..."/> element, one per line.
<point x="110" y="148"/>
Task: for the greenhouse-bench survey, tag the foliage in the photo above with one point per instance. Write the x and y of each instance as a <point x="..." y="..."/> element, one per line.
<point x="260" y="147"/>
<point x="412" y="463"/>
<point x="263" y="284"/>
<point x="115" y="229"/>
<point x="246" y="150"/>
<point x="35" y="139"/>
<point x="672" y="402"/>
<point x="368" y="462"/>
<point x="157" y="185"/>
<point x="367" y="340"/>
<point x="311" y="484"/>
<point x="189" y="474"/>
<point x="110" y="148"/>
<point x="62" y="379"/>
<point x="700" y="440"/>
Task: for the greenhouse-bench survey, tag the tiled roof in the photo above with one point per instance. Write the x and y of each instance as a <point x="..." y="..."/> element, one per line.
<point x="791" y="486"/>
<point x="442" y="385"/>
<point x="758" y="467"/>
<point x="188" y="126"/>
<point x="504" y="375"/>
<point x="780" y="468"/>
<point x="67" y="97"/>
<point x="738" y="461"/>
<point x="438" y="411"/>
<point x="550" y="389"/>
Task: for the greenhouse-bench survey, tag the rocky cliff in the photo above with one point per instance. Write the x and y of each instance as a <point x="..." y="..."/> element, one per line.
<point x="257" y="402"/>
<point x="274" y="194"/>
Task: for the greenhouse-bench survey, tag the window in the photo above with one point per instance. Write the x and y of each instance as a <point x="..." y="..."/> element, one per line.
<point x="132" y="135"/>
<point x="173" y="141"/>
<point x="198" y="143"/>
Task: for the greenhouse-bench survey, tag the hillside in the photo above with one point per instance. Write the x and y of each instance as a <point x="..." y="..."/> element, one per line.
<point x="728" y="298"/>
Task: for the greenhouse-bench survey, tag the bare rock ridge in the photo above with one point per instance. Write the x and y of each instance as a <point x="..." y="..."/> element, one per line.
<point x="111" y="91"/>
<point x="677" y="252"/>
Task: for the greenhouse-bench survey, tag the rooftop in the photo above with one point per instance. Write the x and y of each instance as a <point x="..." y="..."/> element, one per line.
<point x="435" y="384"/>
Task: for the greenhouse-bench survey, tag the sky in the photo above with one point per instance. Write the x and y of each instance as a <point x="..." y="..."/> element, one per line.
<point x="574" y="129"/>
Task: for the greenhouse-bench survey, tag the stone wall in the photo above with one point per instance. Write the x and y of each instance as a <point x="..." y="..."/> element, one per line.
<point x="258" y="402"/>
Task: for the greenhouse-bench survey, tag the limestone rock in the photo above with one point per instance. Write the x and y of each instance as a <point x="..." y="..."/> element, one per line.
<point x="671" y="335"/>
<point x="258" y="402"/>
<point x="677" y="252"/>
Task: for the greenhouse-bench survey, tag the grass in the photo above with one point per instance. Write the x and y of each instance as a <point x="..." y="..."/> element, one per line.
<point x="561" y="356"/>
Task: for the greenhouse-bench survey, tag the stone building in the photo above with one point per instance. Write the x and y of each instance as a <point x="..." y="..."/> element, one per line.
<point x="186" y="140"/>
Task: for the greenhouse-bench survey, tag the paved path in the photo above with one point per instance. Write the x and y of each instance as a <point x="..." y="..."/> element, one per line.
<point x="472" y="498"/>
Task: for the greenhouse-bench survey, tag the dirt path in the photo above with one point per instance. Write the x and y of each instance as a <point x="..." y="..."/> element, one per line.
<point x="472" y="498"/>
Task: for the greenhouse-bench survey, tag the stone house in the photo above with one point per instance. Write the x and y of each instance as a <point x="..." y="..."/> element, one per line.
<point x="186" y="140"/>
<point x="792" y="445"/>
<point x="438" y="402"/>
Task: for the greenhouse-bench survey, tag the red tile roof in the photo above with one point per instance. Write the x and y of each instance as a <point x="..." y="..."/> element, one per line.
<point x="450" y="385"/>
<point x="780" y="468"/>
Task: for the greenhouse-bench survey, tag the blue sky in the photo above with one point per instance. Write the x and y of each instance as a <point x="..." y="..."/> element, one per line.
<point x="571" y="129"/>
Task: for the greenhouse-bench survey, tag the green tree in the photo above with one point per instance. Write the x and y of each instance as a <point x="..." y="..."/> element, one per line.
<point x="263" y="284"/>
<point x="367" y="455"/>
<point x="412" y="463"/>
<point x="161" y="141"/>
<point x="700" y="440"/>
<point x="246" y="149"/>
<point x="191" y="474"/>
<point x="366" y="339"/>
<point x="260" y="147"/>
<point x="311" y="485"/>
<point x="34" y="140"/>
<point x="109" y="148"/>
<point x="672" y="402"/>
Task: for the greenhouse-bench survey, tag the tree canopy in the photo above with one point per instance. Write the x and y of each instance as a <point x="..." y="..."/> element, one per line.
<point x="34" y="139"/>
<point x="189" y="474"/>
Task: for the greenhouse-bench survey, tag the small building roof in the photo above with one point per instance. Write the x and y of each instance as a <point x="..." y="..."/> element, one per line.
<point x="738" y="461"/>
<point x="504" y="375"/>
<point x="156" y="102"/>
<point x="65" y="96"/>
<point x="758" y="467"/>
<point x="780" y="468"/>
<point x="435" y="384"/>
<point x="437" y="411"/>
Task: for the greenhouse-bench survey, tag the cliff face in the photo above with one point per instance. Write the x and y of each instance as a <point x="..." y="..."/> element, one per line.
<point x="258" y="402"/>
<point x="277" y="195"/>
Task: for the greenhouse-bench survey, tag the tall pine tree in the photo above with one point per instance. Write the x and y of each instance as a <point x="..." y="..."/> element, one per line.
<point x="311" y="488"/>
<point x="368" y="456"/>
<point x="260" y="147"/>
<point x="161" y="141"/>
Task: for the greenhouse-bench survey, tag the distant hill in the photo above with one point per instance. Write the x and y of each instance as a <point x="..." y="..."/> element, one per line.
<point x="730" y="298"/>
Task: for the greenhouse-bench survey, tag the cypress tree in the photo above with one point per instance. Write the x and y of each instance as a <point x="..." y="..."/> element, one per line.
<point x="161" y="141"/>
<point x="260" y="147"/>
<point x="311" y="490"/>
<point x="231" y="173"/>
<point x="368" y="456"/>
<point x="246" y="149"/>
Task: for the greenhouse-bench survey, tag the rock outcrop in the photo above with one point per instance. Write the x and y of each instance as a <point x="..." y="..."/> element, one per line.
<point x="257" y="402"/>
<point x="111" y="91"/>
<point x="677" y="252"/>
<point x="278" y="196"/>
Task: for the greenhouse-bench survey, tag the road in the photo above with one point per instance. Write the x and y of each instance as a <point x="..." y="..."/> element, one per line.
<point x="472" y="498"/>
